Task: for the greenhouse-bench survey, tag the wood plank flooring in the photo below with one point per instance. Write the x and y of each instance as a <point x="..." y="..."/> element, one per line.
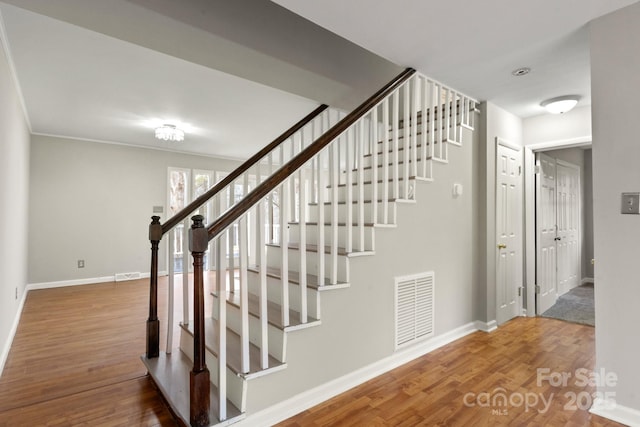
<point x="75" y="361"/>
<point x="461" y="384"/>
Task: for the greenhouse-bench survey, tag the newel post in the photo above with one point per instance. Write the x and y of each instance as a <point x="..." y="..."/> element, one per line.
<point x="199" y="378"/>
<point x="153" y="324"/>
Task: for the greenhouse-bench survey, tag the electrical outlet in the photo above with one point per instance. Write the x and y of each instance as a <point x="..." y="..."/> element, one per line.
<point x="80" y="263"/>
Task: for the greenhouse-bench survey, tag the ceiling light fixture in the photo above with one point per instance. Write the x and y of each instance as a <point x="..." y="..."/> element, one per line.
<point x="168" y="132"/>
<point x="561" y="104"/>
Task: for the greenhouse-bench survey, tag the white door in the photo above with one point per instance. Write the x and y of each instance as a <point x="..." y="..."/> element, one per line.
<point x="508" y="230"/>
<point x="545" y="233"/>
<point x="568" y="214"/>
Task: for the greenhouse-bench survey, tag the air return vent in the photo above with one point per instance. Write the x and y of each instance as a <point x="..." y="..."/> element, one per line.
<point x="414" y="296"/>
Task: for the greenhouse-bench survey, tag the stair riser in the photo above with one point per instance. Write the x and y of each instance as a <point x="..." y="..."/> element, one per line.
<point x="274" y="259"/>
<point x="368" y="172"/>
<point x="368" y="191"/>
<point x="368" y="217"/>
<point x="276" y="337"/>
<point x="312" y="236"/>
<point x="274" y="293"/>
<point x="236" y="386"/>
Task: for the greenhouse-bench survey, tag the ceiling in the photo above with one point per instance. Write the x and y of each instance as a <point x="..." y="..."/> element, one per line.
<point x="239" y="73"/>
<point x="473" y="46"/>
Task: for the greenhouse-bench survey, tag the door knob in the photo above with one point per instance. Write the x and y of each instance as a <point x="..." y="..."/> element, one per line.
<point x="557" y="238"/>
<point x="502" y="246"/>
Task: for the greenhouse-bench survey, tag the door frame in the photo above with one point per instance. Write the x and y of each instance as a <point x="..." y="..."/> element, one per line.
<point x="530" y="213"/>
<point x="520" y="299"/>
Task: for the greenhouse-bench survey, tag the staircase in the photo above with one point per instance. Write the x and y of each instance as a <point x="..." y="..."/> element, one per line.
<point x="312" y="202"/>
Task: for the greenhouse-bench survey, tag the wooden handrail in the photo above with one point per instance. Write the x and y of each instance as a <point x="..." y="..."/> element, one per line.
<point x="186" y="211"/>
<point x="267" y="186"/>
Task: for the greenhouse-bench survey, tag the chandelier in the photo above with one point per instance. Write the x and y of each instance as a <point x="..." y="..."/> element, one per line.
<point x="168" y="132"/>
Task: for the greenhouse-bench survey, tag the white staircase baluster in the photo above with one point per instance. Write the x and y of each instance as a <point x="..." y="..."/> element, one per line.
<point x="222" y="325"/>
<point x="261" y="213"/>
<point x="350" y="139"/>
<point x="406" y="138"/>
<point x="360" y="166"/>
<point x="414" y="124"/>
<point x="171" y="300"/>
<point x="320" y="225"/>
<point x="302" y="215"/>
<point x="284" y="249"/>
<point x="432" y="119"/>
<point x="185" y="266"/>
<point x="423" y="126"/>
<point x="334" y="168"/>
<point x="373" y="138"/>
<point x="395" y="122"/>
<point x="243" y="239"/>
<point x="385" y="161"/>
<point x="232" y="239"/>
<point x="271" y="221"/>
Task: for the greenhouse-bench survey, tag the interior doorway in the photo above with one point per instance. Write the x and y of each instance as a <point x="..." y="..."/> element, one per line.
<point x="564" y="235"/>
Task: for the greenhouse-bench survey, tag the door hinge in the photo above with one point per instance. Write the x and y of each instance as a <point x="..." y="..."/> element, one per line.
<point x="520" y="291"/>
<point x="519" y="170"/>
<point x="537" y="289"/>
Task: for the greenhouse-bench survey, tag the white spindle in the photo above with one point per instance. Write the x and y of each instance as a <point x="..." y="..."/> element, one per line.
<point x="185" y="267"/>
<point x="360" y="166"/>
<point x="171" y="300"/>
<point x="284" y="249"/>
<point x="320" y="225"/>
<point x="261" y="260"/>
<point x="432" y="119"/>
<point x="374" y="164"/>
<point x="334" y="168"/>
<point x="222" y="326"/>
<point x="232" y="239"/>
<point x="385" y="161"/>
<point x="424" y="118"/>
<point x="406" y="139"/>
<point x="302" y="215"/>
<point x="396" y="124"/>
<point x="349" y="189"/>
<point x="243" y="239"/>
<point x="414" y="124"/>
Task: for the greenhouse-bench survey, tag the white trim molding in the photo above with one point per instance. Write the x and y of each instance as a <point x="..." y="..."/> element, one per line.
<point x="616" y="412"/>
<point x="490" y="326"/>
<point x="79" y="282"/>
<point x="12" y="332"/>
<point x="303" y="401"/>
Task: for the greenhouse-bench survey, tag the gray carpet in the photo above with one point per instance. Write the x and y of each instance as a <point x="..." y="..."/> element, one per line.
<point x="575" y="306"/>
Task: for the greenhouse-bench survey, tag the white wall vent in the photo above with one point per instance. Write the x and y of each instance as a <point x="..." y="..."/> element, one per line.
<point x="414" y="297"/>
<point x="121" y="277"/>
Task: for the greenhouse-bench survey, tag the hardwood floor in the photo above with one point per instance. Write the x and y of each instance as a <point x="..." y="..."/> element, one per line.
<point x="75" y="361"/>
<point x="461" y="383"/>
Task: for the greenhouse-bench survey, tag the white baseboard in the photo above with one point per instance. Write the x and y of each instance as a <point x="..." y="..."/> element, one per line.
<point x="290" y="407"/>
<point x="587" y="280"/>
<point x="616" y="412"/>
<point x="486" y="326"/>
<point x="7" y="346"/>
<point x="78" y="282"/>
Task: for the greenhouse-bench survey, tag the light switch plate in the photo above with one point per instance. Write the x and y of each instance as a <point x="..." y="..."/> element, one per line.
<point x="630" y="203"/>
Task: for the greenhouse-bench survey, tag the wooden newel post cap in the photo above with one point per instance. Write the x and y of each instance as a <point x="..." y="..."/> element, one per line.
<point x="155" y="229"/>
<point x="198" y="235"/>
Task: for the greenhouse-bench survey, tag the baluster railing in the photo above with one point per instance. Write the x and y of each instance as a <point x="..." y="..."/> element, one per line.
<point x="412" y="116"/>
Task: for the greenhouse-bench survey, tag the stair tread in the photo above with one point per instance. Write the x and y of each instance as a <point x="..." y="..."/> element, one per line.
<point x="380" y="181"/>
<point x="355" y="202"/>
<point x="170" y="372"/>
<point x="233" y="349"/>
<point x="328" y="224"/>
<point x="294" y="277"/>
<point x="327" y="249"/>
<point x="273" y="311"/>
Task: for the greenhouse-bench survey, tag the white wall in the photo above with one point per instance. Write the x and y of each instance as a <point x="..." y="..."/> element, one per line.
<point x="498" y="123"/>
<point x="94" y="202"/>
<point x="569" y="128"/>
<point x="14" y="187"/>
<point x="615" y="79"/>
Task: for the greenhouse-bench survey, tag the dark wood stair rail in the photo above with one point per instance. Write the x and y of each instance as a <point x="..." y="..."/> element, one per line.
<point x="198" y="387"/>
<point x="157" y="230"/>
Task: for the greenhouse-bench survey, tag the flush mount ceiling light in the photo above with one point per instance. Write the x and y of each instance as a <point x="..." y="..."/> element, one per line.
<point x="561" y="104"/>
<point x="169" y="132"/>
